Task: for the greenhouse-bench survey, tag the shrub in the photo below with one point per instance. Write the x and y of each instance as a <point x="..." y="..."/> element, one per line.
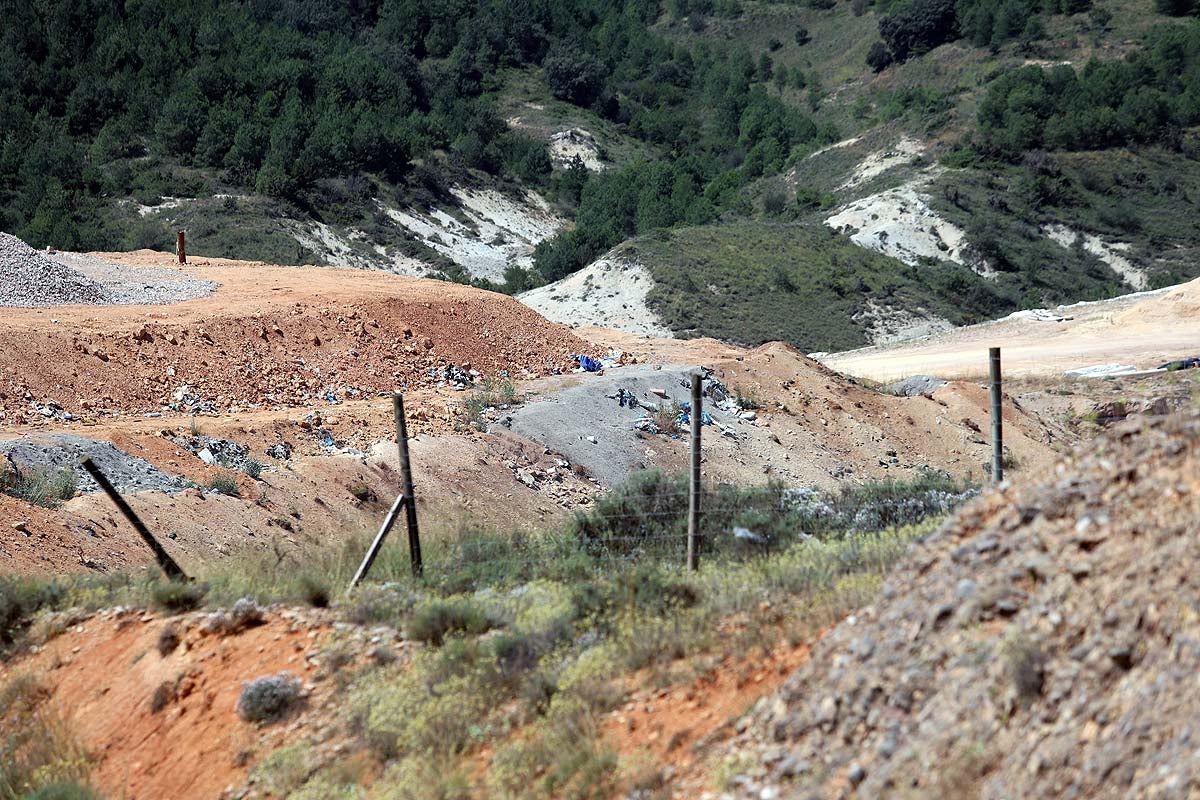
<point x="360" y="491"/>
<point x="315" y="591"/>
<point x="41" y="487"/>
<point x="20" y="599"/>
<point x="269" y="698"/>
<point x="177" y="597"/>
<point x="879" y="57"/>
<point x="38" y="756"/>
<point x="245" y="614"/>
<point x="62" y="790"/>
<point x="253" y="468"/>
<point x="434" y="620"/>
<point x="224" y="484"/>
<point x="162" y="697"/>
<point x="168" y="640"/>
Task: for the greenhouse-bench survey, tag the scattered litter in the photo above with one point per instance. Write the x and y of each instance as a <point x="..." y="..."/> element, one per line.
<point x="219" y="452"/>
<point x="184" y="399"/>
<point x="1183" y="363"/>
<point x="747" y="535"/>
<point x="281" y="451"/>
<point x="587" y="363"/>
<point x="1100" y="371"/>
<point x="660" y="392"/>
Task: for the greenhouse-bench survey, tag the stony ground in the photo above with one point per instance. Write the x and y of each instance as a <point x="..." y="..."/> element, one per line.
<point x="30" y="279"/>
<point x="1043" y="643"/>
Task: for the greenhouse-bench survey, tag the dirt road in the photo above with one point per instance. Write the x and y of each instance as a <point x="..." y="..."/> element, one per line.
<point x="1141" y="331"/>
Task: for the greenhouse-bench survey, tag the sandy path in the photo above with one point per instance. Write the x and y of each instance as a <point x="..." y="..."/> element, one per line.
<point x="1142" y="331"/>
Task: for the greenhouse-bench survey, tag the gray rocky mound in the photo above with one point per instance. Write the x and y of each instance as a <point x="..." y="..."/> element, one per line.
<point x="50" y="452"/>
<point x="30" y="279"/>
<point x="1045" y="642"/>
<point x="916" y="385"/>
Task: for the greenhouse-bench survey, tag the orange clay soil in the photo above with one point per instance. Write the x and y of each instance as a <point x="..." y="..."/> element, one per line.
<point x="278" y="336"/>
<point x="672" y="728"/>
<point x="104" y="672"/>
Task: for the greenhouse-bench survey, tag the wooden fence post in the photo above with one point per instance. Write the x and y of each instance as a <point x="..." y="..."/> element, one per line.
<point x="168" y="565"/>
<point x="997" y="416"/>
<point x="406" y="499"/>
<point x="693" y="545"/>
<point x="180" y="248"/>
<point x="377" y="545"/>
<point x="406" y="482"/>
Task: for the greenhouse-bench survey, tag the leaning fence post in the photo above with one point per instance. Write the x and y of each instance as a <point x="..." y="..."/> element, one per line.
<point x="377" y="545"/>
<point x="406" y="483"/>
<point x="997" y="418"/>
<point x="693" y="545"/>
<point x="180" y="249"/>
<point x="168" y="565"/>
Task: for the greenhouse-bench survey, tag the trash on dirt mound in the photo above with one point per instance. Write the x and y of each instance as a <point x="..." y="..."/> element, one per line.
<point x="221" y="452"/>
<point x="280" y="452"/>
<point x="63" y="451"/>
<point x="587" y="363"/>
<point x="713" y="389"/>
<point x="50" y="410"/>
<point x="1183" y="363"/>
<point x="1100" y="371"/>
<point x="184" y="399"/>
<point x="685" y="419"/>
<point x="915" y="386"/>
<point x="29" y="279"/>
<point x="459" y="379"/>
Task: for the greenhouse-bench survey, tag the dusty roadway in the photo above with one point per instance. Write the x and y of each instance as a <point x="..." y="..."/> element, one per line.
<point x="1142" y="331"/>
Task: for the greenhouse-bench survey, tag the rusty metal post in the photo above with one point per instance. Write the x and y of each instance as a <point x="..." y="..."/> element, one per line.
<point x="180" y="248"/>
<point x="168" y="565"/>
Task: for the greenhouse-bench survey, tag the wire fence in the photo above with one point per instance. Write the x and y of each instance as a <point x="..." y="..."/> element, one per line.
<point x="646" y="522"/>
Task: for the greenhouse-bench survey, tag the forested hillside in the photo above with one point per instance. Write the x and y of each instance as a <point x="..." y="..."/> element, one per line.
<point x="1047" y="144"/>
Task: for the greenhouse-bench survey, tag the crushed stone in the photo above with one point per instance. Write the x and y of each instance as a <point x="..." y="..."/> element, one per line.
<point x="1042" y="643"/>
<point x="126" y="472"/>
<point x="31" y="279"/>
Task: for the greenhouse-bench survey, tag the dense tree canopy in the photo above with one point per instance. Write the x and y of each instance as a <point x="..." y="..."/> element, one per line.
<point x="276" y="96"/>
<point x="1148" y="97"/>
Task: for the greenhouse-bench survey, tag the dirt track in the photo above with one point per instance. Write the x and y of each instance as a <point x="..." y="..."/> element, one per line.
<point x="1142" y="331"/>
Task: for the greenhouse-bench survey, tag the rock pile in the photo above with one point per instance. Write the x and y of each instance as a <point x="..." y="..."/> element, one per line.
<point x="1043" y="643"/>
<point x="29" y="279"/>
<point x="60" y="451"/>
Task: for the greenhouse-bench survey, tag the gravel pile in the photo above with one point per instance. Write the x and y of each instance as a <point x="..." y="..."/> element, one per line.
<point x="30" y="279"/>
<point x="56" y="451"/>
<point x="125" y="284"/>
<point x="1044" y="643"/>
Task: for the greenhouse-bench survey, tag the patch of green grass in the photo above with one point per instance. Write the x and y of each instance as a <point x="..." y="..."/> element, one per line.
<point x="178" y="597"/>
<point x="39" y="758"/>
<point x="42" y="487"/>
<point x="432" y="622"/>
<point x="800" y="283"/>
<point x="225" y="484"/>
